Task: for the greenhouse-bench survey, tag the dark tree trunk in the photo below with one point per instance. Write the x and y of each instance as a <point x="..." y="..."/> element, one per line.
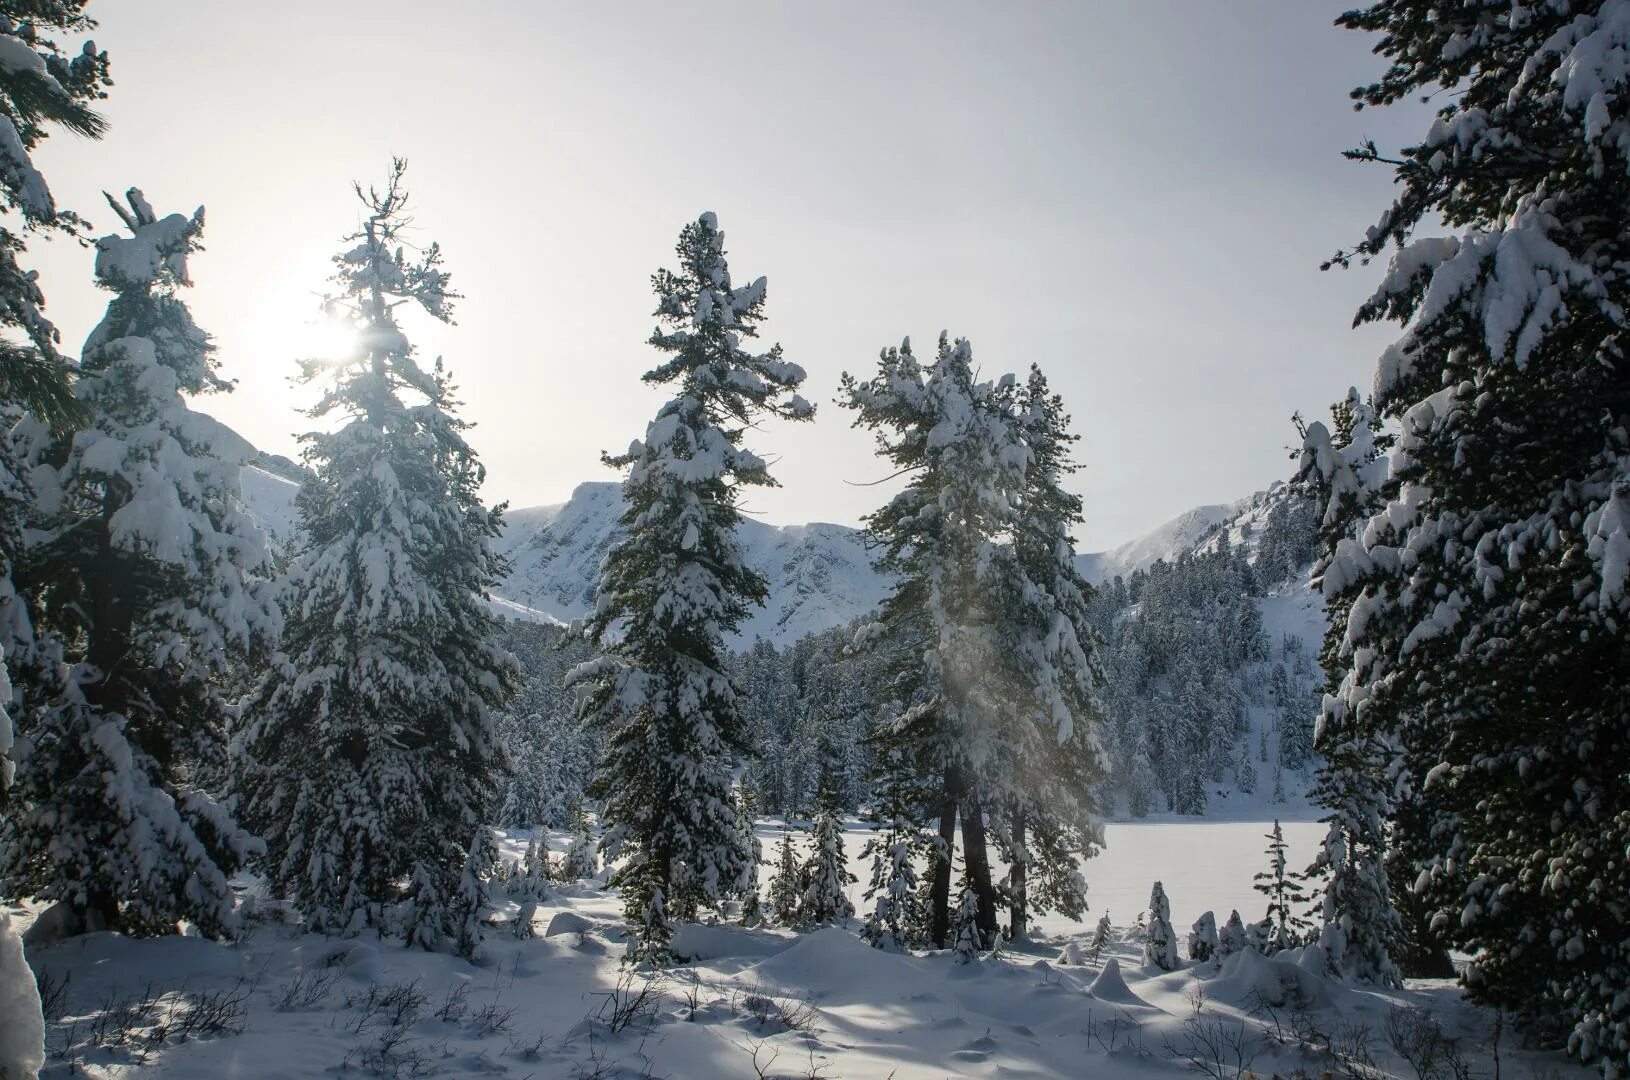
<point x="939" y="926"/>
<point x="976" y="857"/>
<point x="1019" y="916"/>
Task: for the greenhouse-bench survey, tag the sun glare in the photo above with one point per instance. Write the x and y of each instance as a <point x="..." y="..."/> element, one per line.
<point x="325" y="338"/>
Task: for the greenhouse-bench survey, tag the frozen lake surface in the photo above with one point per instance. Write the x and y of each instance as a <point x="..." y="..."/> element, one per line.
<point x="1205" y="865"/>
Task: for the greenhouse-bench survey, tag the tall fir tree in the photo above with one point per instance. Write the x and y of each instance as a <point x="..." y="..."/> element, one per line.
<point x="144" y="565"/>
<point x="369" y="749"/>
<point x="1048" y="813"/>
<point x="1487" y="633"/>
<point x="42" y="86"/>
<point x="1344" y="469"/>
<point x="674" y="588"/>
<point x="957" y="438"/>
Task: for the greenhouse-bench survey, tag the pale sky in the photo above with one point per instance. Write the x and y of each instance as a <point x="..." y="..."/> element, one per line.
<point x="1135" y="195"/>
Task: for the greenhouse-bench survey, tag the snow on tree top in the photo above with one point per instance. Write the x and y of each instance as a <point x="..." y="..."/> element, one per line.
<point x="157" y="249"/>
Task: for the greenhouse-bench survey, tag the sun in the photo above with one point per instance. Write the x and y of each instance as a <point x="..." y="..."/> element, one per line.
<point x="325" y="338"/>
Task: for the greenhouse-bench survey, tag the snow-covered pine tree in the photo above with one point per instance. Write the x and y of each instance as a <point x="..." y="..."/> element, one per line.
<point x="752" y="908"/>
<point x="826" y="873"/>
<point x="473" y="898"/>
<point x="581" y="860"/>
<point x="967" y="941"/>
<point x="959" y="441"/>
<point x="1204" y="943"/>
<point x="1232" y="938"/>
<point x="893" y="847"/>
<point x="1045" y="796"/>
<point x="42" y="86"/>
<point x="532" y="881"/>
<point x="1284" y="923"/>
<point x="145" y="567"/>
<point x="1488" y="633"/>
<point x="1160" y="940"/>
<point x="785" y="893"/>
<point x="371" y="744"/>
<point x="1101" y="935"/>
<point x="671" y="591"/>
<point x="1344" y="470"/>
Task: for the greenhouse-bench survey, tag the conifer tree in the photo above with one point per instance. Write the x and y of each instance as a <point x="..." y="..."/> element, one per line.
<point x="1488" y="634"/>
<point x="752" y="909"/>
<point x="785" y="893"/>
<point x="473" y="898"/>
<point x="1345" y="469"/>
<point x="1283" y="924"/>
<point x="532" y="881"/>
<point x="1160" y="940"/>
<point x="43" y="85"/>
<point x="892" y="889"/>
<point x="1046" y="788"/>
<point x="1232" y="938"/>
<point x="149" y="573"/>
<point x="967" y="941"/>
<point x="1204" y="943"/>
<point x="371" y="742"/>
<point x="958" y="439"/>
<point x="826" y="873"/>
<point x="671" y="591"/>
<point x="1100" y="936"/>
<point x="581" y="861"/>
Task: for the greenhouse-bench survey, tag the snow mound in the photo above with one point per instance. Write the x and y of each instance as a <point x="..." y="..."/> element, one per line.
<point x="1283" y="980"/>
<point x="699" y="941"/>
<point x="567" y="922"/>
<point x="832" y="960"/>
<point x="1110" y="985"/>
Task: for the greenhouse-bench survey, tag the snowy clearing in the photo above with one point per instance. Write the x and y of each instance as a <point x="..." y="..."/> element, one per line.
<point x="751" y="1003"/>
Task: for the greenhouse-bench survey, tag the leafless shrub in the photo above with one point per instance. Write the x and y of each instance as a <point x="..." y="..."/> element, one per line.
<point x="528" y="1049"/>
<point x="1352" y="1047"/>
<point x="455" y="1004"/>
<point x="397" y="1005"/>
<point x="1217" y="1048"/>
<point x="308" y="988"/>
<point x="1272" y="1017"/>
<point x="492" y="1018"/>
<point x="634" y="1000"/>
<point x="770" y="1010"/>
<point x="191" y="1015"/>
<point x="53" y="994"/>
<point x="1416" y="1036"/>
<point x="1118" y="1032"/>
<point x="816" y="1070"/>
<point x="691" y="994"/>
<point x="394" y="1054"/>
<point x="762" y="1061"/>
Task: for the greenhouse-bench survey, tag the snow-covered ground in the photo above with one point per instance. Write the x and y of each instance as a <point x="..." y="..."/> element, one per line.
<point x="816" y="1004"/>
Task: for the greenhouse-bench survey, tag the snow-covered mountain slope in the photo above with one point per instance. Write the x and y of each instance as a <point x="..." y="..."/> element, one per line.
<point x="1166" y="541"/>
<point x="820" y="575"/>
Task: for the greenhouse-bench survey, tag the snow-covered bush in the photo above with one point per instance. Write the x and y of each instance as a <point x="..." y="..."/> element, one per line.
<point x="1160" y="940"/>
<point x="1204" y="943"/>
